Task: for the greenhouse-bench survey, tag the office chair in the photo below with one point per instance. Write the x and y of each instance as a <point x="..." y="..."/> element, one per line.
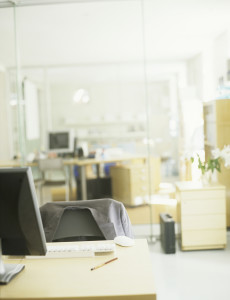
<point x="77" y="225"/>
<point x="85" y="220"/>
<point x="48" y="166"/>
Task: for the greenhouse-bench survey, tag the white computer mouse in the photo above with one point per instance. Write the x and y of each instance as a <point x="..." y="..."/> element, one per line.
<point x="124" y="241"/>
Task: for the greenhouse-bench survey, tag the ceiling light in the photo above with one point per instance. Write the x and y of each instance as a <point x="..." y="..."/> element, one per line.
<point x="81" y="96"/>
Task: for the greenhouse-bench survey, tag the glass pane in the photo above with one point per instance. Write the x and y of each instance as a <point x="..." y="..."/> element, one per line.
<point x="163" y="77"/>
<point x="8" y="92"/>
<point x="86" y="68"/>
<point x="87" y="50"/>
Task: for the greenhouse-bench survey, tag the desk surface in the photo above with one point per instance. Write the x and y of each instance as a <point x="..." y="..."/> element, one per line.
<point x="14" y="164"/>
<point x="76" y="161"/>
<point x="82" y="163"/>
<point x="129" y="277"/>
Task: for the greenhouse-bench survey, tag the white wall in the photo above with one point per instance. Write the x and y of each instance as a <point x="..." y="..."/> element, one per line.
<point x="206" y="68"/>
<point x="214" y="64"/>
<point x="5" y="133"/>
<point x="221" y="56"/>
<point x="194" y="75"/>
<point x="116" y="92"/>
<point x="109" y="101"/>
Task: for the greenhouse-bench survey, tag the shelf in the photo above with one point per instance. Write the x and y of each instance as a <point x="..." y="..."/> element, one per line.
<point x="103" y="123"/>
<point x="126" y="135"/>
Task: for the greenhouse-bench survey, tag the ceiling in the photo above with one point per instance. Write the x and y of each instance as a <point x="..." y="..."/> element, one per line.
<point x="110" y="32"/>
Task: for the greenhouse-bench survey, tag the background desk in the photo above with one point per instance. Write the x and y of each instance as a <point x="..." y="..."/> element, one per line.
<point x="82" y="164"/>
<point x="129" y="277"/>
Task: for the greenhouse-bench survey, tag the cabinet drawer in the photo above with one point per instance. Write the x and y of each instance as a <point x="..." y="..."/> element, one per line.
<point x="203" y="222"/>
<point x="139" y="189"/>
<point x="139" y="175"/>
<point x="198" y="207"/>
<point x="138" y="171"/>
<point x="139" y="180"/>
<point x="203" y="194"/>
<point x="201" y="238"/>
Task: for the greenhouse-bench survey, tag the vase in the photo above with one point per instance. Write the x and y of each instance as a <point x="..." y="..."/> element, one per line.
<point x="206" y="178"/>
<point x="209" y="177"/>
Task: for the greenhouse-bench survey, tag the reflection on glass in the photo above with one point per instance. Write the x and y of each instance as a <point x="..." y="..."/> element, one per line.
<point x="85" y="54"/>
<point x="8" y="92"/>
<point x="81" y="96"/>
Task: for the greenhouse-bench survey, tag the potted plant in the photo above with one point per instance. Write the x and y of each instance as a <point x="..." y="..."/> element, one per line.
<point x="212" y="165"/>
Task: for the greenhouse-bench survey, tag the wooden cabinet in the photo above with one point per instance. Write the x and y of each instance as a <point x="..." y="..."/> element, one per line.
<point x="132" y="183"/>
<point x="201" y="215"/>
<point x="217" y="135"/>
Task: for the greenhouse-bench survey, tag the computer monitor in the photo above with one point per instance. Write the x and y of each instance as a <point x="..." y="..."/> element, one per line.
<point x="61" y="141"/>
<point x="21" y="229"/>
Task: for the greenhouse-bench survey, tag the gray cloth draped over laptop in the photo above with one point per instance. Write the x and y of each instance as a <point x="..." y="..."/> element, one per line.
<point x="110" y="216"/>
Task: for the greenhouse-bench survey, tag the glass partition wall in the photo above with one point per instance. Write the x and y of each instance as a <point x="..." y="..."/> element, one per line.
<point x="84" y="48"/>
<point x="87" y="67"/>
<point x="9" y="101"/>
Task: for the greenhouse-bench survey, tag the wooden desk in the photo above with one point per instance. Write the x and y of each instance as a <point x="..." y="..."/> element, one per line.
<point x="15" y="164"/>
<point x="129" y="277"/>
<point x="81" y="163"/>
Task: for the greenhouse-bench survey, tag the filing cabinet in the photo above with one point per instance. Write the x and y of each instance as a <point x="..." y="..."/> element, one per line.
<point x="201" y="215"/>
<point x="132" y="184"/>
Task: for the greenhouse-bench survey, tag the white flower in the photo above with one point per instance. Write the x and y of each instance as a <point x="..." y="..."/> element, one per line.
<point x="216" y="153"/>
<point x="225" y="155"/>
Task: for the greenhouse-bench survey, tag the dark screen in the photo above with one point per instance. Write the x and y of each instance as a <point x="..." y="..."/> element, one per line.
<point x="21" y="229"/>
<point x="59" y="140"/>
